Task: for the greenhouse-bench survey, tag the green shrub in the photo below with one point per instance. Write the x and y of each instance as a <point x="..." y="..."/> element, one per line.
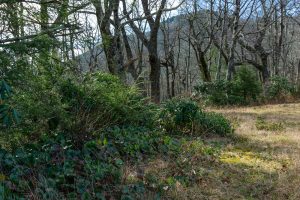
<point x="40" y="106"/>
<point x="246" y="85"/>
<point x="179" y="115"/>
<point x="82" y="107"/>
<point x="185" y="116"/>
<point x="102" y="101"/>
<point x="8" y="114"/>
<point x="55" y="168"/>
<point x="214" y="123"/>
<point x="214" y="92"/>
<point x="280" y="88"/>
<point x="132" y="141"/>
<point x="243" y="89"/>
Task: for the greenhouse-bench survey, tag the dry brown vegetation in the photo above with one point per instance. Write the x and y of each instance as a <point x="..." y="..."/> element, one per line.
<point x="255" y="164"/>
<point x="273" y="154"/>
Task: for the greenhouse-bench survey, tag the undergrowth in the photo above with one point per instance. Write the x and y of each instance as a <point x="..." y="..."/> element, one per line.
<point x="185" y="116"/>
<point x="80" y="134"/>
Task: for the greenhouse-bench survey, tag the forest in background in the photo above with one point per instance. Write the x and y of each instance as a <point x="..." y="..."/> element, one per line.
<point x="95" y="92"/>
<point x="167" y="47"/>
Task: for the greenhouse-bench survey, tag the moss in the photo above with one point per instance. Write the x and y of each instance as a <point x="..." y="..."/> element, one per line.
<point x="250" y="160"/>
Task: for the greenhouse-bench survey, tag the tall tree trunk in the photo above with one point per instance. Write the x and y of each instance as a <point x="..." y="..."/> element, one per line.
<point x="112" y="44"/>
<point x="154" y="78"/>
<point x="173" y="72"/>
<point x="173" y="82"/>
<point x="154" y="62"/>
<point x="277" y="50"/>
<point x="231" y="61"/>
<point x="204" y="68"/>
<point x="151" y="43"/>
<point x="130" y="66"/>
<point x="223" y="34"/>
<point x="168" y="82"/>
<point x="44" y="56"/>
<point x="298" y="73"/>
<point x="265" y="71"/>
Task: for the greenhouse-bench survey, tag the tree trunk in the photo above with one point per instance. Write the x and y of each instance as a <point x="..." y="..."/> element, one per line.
<point x="130" y="66"/>
<point x="231" y="65"/>
<point x="151" y="43"/>
<point x="168" y="82"/>
<point x="204" y="68"/>
<point x="298" y="73"/>
<point x="113" y="54"/>
<point x="223" y="34"/>
<point x="265" y="71"/>
<point x="154" y="76"/>
<point x="173" y="72"/>
<point x="173" y="82"/>
<point x="112" y="44"/>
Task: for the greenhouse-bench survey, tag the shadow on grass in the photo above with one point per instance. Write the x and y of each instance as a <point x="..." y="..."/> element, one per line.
<point x="244" y="169"/>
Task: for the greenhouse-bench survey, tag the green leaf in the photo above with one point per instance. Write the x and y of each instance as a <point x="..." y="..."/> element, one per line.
<point x="6" y="120"/>
<point x="3" y="108"/>
<point x="119" y="162"/>
<point x="16" y="116"/>
<point x="105" y="142"/>
<point x="5" y="90"/>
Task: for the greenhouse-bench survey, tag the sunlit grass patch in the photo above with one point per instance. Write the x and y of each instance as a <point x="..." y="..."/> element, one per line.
<point x="250" y="160"/>
<point x="257" y="164"/>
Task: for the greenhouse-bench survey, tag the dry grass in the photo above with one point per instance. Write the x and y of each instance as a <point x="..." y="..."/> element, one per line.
<point x="257" y="164"/>
<point x="281" y="147"/>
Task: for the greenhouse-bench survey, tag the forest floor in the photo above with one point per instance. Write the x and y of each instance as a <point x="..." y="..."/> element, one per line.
<point x="261" y="162"/>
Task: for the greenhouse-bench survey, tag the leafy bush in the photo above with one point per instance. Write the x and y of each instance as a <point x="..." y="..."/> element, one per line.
<point x="214" y="92"/>
<point x="214" y="123"/>
<point x="40" y="106"/>
<point x="185" y="116"/>
<point x="82" y="107"/>
<point x="243" y="89"/>
<point x="246" y="85"/>
<point x="102" y="125"/>
<point x="179" y="115"/>
<point x="54" y="168"/>
<point x="8" y="114"/>
<point x="132" y="141"/>
<point x="280" y="88"/>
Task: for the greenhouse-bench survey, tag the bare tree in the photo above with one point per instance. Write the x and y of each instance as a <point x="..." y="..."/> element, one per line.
<point x="150" y="43"/>
<point x="105" y="10"/>
<point x="235" y="32"/>
<point x="199" y="32"/>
